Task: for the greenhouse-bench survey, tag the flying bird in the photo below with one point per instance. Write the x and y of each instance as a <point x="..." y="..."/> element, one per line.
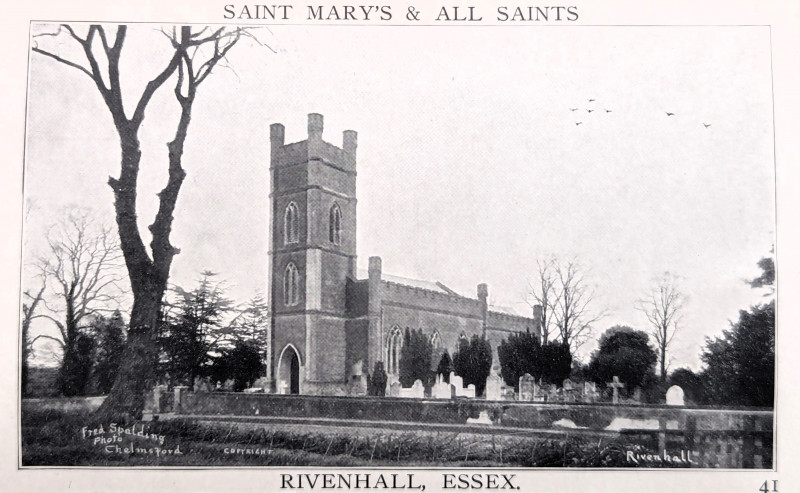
<point x="573" y="109"/>
<point x="670" y="114"/>
<point x="591" y="100"/>
<point x="577" y="123"/>
<point x="608" y="111"/>
<point x="706" y="125"/>
<point x="589" y="111"/>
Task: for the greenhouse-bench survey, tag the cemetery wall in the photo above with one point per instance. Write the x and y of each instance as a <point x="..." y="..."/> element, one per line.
<point x="523" y="415"/>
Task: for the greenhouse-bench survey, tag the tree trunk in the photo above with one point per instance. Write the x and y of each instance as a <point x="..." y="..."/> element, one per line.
<point x="138" y="361"/>
<point x="137" y="365"/>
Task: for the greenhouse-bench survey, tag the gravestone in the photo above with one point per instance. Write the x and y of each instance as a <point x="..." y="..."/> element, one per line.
<point x="493" y="388"/>
<point x="615" y="385"/>
<point x="416" y="391"/>
<point x="391" y="379"/>
<point x="527" y="387"/>
<point x="263" y="383"/>
<point x="394" y="389"/>
<point x="637" y="394"/>
<point x="441" y="389"/>
<point x="570" y="391"/>
<point x="357" y="385"/>
<point x="228" y="385"/>
<point x="675" y="396"/>
<point x="458" y="384"/>
<point x="590" y="393"/>
<point x="469" y="392"/>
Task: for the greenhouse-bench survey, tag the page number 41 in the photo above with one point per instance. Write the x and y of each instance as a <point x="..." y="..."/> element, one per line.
<point x="765" y="487"/>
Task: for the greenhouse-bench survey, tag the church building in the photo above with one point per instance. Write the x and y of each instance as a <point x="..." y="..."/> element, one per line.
<point x="327" y="321"/>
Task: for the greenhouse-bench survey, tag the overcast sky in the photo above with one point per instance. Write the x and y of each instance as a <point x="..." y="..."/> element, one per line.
<point x="471" y="165"/>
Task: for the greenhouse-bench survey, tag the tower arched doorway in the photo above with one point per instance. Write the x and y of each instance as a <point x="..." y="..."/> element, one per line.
<point x="289" y="371"/>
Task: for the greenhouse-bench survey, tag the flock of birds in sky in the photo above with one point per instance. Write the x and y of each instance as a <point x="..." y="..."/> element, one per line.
<point x="606" y="110"/>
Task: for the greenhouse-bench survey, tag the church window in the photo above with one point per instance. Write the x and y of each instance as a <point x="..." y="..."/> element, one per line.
<point x="290" y="285"/>
<point x="290" y="224"/>
<point x="436" y="340"/>
<point x="393" y="345"/>
<point x="462" y="339"/>
<point x="335" y="225"/>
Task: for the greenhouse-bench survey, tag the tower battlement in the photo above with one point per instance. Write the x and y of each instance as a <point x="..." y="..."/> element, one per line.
<point x="314" y="147"/>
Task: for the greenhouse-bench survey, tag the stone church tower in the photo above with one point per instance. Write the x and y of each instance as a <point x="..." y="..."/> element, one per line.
<point x="312" y="255"/>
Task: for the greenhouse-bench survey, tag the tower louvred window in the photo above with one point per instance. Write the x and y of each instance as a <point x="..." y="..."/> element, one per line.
<point x="335" y="225"/>
<point x="290" y="224"/>
<point x="291" y="285"/>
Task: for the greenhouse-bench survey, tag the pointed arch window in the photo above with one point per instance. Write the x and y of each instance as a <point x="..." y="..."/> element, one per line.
<point x="291" y="290"/>
<point x="335" y="225"/>
<point x="436" y="340"/>
<point x="393" y="344"/>
<point x="290" y="220"/>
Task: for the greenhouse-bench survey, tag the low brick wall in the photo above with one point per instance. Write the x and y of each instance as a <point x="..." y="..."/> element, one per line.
<point x="516" y="414"/>
<point x="730" y="438"/>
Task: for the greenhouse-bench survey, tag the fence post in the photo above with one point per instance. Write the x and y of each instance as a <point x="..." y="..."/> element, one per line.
<point x="748" y="442"/>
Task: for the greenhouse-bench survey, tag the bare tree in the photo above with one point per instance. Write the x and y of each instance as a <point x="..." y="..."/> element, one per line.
<point x="83" y="267"/>
<point x="663" y="308"/>
<point x="541" y="293"/>
<point x="567" y="300"/>
<point x="193" y="55"/>
<point x="29" y="305"/>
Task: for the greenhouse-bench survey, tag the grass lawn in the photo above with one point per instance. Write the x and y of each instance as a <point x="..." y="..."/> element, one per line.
<point x="59" y="438"/>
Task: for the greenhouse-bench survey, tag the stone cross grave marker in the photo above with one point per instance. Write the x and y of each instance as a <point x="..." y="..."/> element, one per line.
<point x="615" y="385"/>
<point x="675" y="396"/>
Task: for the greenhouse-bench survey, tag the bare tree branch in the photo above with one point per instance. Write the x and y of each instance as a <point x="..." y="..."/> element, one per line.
<point x="663" y="308"/>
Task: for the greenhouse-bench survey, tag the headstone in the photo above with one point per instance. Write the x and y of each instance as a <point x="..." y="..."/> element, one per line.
<point x="457" y="382"/>
<point x="615" y="385"/>
<point x="493" y="388"/>
<point x="469" y="392"/>
<point x="527" y="387"/>
<point x="675" y="396"/>
<point x="394" y="389"/>
<point x="357" y="385"/>
<point x="567" y="384"/>
<point x="180" y="391"/>
<point x="482" y="419"/>
<point x="590" y="393"/>
<point x="263" y="383"/>
<point x="202" y="384"/>
<point x="441" y="389"/>
<point x="390" y="379"/>
<point x="637" y="394"/>
<point x="416" y="391"/>
<point x="228" y="385"/>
